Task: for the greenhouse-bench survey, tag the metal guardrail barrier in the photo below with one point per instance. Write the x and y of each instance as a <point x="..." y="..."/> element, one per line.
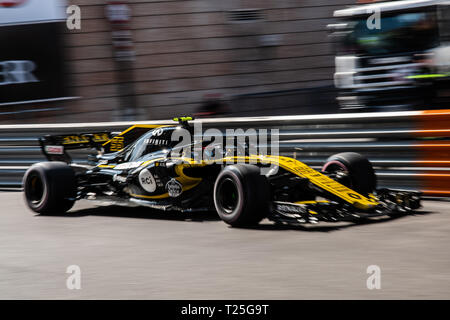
<point x="409" y="149"/>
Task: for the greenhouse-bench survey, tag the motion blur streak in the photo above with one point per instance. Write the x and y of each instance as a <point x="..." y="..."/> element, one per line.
<point x="434" y="126"/>
<point x="391" y="140"/>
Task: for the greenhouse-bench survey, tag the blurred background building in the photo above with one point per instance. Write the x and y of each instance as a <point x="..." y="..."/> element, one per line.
<point x="146" y="59"/>
<point x="165" y="58"/>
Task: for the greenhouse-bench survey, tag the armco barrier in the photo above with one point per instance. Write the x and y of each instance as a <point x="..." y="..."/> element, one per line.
<point x="409" y="149"/>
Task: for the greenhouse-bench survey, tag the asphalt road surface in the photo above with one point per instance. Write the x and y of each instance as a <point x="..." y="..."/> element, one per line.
<point x="128" y="253"/>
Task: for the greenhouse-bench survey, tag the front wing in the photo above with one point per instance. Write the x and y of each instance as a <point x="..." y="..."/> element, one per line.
<point x="390" y="202"/>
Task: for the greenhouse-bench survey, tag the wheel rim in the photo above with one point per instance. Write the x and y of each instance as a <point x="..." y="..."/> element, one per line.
<point x="35" y="190"/>
<point x="227" y="195"/>
<point x="338" y="172"/>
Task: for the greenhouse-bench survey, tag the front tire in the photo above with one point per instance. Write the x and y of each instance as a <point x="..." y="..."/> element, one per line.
<point x="241" y="195"/>
<point x="50" y="188"/>
<point x="354" y="170"/>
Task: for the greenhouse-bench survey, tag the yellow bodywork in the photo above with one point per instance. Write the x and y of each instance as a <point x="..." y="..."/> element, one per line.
<point x="117" y="142"/>
<point x="84" y="138"/>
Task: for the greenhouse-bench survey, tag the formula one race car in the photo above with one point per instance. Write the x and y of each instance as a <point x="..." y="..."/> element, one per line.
<point x="144" y="166"/>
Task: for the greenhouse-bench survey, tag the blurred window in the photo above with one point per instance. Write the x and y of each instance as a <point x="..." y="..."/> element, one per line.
<point x="403" y="32"/>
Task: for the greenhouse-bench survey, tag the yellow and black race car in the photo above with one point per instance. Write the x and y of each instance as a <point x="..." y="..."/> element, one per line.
<point x="144" y="165"/>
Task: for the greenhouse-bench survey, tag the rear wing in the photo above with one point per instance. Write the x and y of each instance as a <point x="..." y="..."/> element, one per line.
<point x="55" y="147"/>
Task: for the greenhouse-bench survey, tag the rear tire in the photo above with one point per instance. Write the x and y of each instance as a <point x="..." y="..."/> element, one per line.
<point x="241" y="195"/>
<point x="50" y="188"/>
<point x="360" y="175"/>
